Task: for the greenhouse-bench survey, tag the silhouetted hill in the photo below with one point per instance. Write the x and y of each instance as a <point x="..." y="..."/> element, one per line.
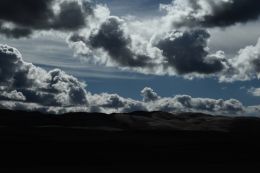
<point x="135" y="121"/>
<point x="146" y="139"/>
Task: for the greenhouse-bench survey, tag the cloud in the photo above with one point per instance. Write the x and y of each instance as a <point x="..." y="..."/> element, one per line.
<point x="57" y="92"/>
<point x="22" y="18"/>
<point x="185" y="103"/>
<point x="254" y="92"/>
<point x="111" y="40"/>
<point x="35" y="84"/>
<point x="253" y="110"/>
<point x="230" y="12"/>
<point x="112" y="37"/>
<point x="174" y="52"/>
<point x="110" y="103"/>
<point x="211" y="13"/>
<point x="178" y="48"/>
<point x="14" y="32"/>
<point x="116" y="42"/>
<point x="12" y="95"/>
<point x="108" y="40"/>
<point x="149" y="95"/>
<point x="244" y="66"/>
<point x="129" y="44"/>
<point x="13" y="69"/>
<point x="187" y="52"/>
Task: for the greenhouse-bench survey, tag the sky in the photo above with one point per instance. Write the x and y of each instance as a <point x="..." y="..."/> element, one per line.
<point x="121" y="56"/>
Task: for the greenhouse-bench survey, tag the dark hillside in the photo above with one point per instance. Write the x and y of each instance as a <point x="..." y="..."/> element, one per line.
<point x="138" y="138"/>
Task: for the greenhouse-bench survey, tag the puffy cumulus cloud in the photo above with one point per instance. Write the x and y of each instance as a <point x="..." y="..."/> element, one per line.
<point x="112" y="37"/>
<point x="211" y="13"/>
<point x="175" y="52"/>
<point x="110" y="43"/>
<point x="26" y="82"/>
<point x="22" y="18"/>
<point x="254" y="92"/>
<point x="187" y="52"/>
<point x="184" y="103"/>
<point x="244" y="66"/>
<point x="14" y="72"/>
<point x="111" y="103"/>
<point x="12" y="95"/>
<point x="149" y="95"/>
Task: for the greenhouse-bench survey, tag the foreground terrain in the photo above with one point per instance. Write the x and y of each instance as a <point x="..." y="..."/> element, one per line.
<point x="148" y="139"/>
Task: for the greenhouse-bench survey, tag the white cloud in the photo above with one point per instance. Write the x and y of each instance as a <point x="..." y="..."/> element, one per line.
<point x="33" y="84"/>
<point x="12" y="95"/>
<point x="184" y="103"/>
<point x="245" y="66"/>
<point x="255" y="92"/>
<point x="149" y="95"/>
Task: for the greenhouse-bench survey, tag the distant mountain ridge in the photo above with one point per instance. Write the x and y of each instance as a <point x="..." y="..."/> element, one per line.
<point x="130" y="140"/>
<point x="135" y="121"/>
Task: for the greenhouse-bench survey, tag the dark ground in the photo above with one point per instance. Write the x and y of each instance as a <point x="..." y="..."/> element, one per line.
<point x="139" y="141"/>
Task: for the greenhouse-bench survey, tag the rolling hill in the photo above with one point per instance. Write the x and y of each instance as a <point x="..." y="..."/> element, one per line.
<point x="138" y="138"/>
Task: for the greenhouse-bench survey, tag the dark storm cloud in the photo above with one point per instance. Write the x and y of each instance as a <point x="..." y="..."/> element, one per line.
<point x="186" y="52"/>
<point x="27" y="16"/>
<point x="256" y="64"/>
<point x="16" y="32"/>
<point x="113" y="39"/>
<point x="230" y="13"/>
<point x="72" y="15"/>
<point x="26" y="12"/>
<point x="213" y="13"/>
<point x="178" y="47"/>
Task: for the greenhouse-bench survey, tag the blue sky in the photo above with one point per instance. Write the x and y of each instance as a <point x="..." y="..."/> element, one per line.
<point x="49" y="53"/>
